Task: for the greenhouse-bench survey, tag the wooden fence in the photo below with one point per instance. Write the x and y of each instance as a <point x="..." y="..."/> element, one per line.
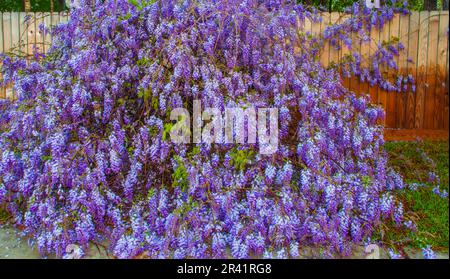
<point x="20" y="33"/>
<point x="424" y="35"/>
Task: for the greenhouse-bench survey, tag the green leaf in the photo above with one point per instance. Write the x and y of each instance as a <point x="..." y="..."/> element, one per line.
<point x="167" y="129"/>
<point x="134" y="3"/>
<point x="179" y="176"/>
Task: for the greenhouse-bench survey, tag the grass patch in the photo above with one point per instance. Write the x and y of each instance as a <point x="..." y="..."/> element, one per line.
<point x="415" y="160"/>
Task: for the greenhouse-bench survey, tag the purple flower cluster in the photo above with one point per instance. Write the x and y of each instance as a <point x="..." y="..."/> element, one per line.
<point x="441" y="193"/>
<point x="428" y="253"/>
<point x="376" y="68"/>
<point x="393" y="255"/>
<point x="85" y="154"/>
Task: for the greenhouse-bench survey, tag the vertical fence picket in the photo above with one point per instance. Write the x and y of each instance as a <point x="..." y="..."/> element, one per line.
<point x="344" y="51"/>
<point x="364" y="52"/>
<point x="443" y="70"/>
<point x="325" y="54"/>
<point x="356" y="48"/>
<point x="307" y="29"/>
<point x="15" y="45"/>
<point x="47" y="35"/>
<point x="29" y="33"/>
<point x="334" y="53"/>
<point x="15" y="35"/>
<point x="384" y="37"/>
<point x="23" y="33"/>
<point x="422" y="69"/>
<point x="7" y="40"/>
<point x="430" y="93"/>
<point x="391" y="96"/>
<point x="35" y="33"/>
<point x="64" y="16"/>
<point x="2" y="49"/>
<point x="403" y="70"/>
<point x="439" y="105"/>
<point x="315" y="29"/>
<point x="395" y="97"/>
<point x="55" y="21"/>
<point x="372" y="47"/>
<point x="413" y="39"/>
<point x="40" y="40"/>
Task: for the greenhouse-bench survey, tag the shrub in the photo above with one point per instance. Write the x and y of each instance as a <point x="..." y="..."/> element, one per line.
<point x="85" y="156"/>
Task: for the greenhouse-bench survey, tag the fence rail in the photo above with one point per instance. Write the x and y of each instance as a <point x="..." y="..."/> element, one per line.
<point x="424" y="35"/>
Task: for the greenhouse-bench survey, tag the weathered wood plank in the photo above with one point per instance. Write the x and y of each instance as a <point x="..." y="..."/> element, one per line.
<point x="441" y="116"/>
<point x="7" y="42"/>
<point x="373" y="46"/>
<point x="383" y="94"/>
<point x="2" y="90"/>
<point x="325" y="54"/>
<point x="354" y="83"/>
<point x="23" y="25"/>
<point x="344" y="51"/>
<point x="40" y="40"/>
<point x="422" y="59"/>
<point x="402" y="97"/>
<point x="391" y="97"/>
<point x="430" y="93"/>
<point x="334" y="53"/>
<point x="365" y="51"/>
<point x="413" y="40"/>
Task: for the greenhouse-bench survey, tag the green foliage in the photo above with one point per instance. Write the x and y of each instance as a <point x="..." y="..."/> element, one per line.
<point x="46" y="158"/>
<point x="4" y="215"/>
<point x="11" y="6"/>
<point x="408" y="159"/>
<point x="432" y="222"/>
<point x="340" y="5"/>
<point x="366" y="181"/>
<point x="415" y="5"/>
<point x="186" y="207"/>
<point x="167" y="128"/>
<point x="426" y="209"/>
<point x="145" y="94"/>
<point x="240" y="158"/>
<point x="141" y="4"/>
<point x="44" y="5"/>
<point x="333" y="5"/>
<point x="194" y="152"/>
<point x="151" y="193"/>
<point x="36" y="5"/>
<point x="179" y="176"/>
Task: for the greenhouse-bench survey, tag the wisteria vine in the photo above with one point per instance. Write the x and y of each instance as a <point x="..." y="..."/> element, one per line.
<point x="85" y="154"/>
